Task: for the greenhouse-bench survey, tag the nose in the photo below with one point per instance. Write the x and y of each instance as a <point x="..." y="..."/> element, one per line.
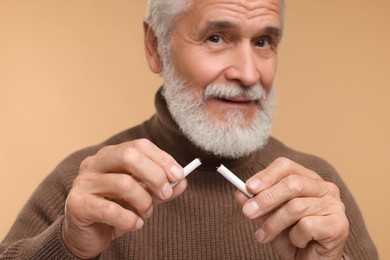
<point x="242" y="67"/>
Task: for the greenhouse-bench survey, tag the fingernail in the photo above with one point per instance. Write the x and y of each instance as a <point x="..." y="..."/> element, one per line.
<point x="167" y="191"/>
<point x="254" y="184"/>
<point x="260" y="235"/>
<point x="139" y="224"/>
<point x="149" y="213"/>
<point x="251" y="209"/>
<point x="176" y="172"/>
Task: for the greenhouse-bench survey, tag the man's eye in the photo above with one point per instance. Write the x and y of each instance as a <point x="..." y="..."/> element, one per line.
<point x="215" y="39"/>
<point x="262" y="43"/>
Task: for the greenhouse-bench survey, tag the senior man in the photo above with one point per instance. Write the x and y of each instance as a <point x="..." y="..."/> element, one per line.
<point x="218" y="60"/>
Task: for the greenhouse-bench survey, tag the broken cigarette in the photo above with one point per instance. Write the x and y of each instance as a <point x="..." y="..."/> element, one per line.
<point x="234" y="180"/>
<point x="188" y="169"/>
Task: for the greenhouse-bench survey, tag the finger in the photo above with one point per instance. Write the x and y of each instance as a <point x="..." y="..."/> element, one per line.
<point x="329" y="231"/>
<point x="106" y="149"/>
<point x="177" y="190"/>
<point x="120" y="187"/>
<point x="117" y="158"/>
<point x="290" y="187"/>
<point x="276" y="171"/>
<point x="283" y="247"/>
<point x="87" y="210"/>
<point x="173" y="170"/>
<point x="241" y="198"/>
<point x="296" y="209"/>
<point x="135" y="162"/>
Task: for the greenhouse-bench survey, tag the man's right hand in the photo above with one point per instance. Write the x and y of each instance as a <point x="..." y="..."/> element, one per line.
<point x="115" y="192"/>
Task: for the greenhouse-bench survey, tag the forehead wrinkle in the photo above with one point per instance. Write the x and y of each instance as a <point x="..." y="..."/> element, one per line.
<point x="252" y="8"/>
<point x="244" y="8"/>
<point x="255" y="11"/>
<point x="237" y="13"/>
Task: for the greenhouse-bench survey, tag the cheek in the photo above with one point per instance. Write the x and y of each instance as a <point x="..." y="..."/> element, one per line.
<point x="197" y="71"/>
<point x="267" y="74"/>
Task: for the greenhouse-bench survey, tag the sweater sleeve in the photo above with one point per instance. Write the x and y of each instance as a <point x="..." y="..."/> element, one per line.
<point x="36" y="232"/>
<point x="46" y="245"/>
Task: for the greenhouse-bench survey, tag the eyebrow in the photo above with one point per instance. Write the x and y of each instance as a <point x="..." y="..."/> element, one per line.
<point x="274" y="31"/>
<point x="212" y="26"/>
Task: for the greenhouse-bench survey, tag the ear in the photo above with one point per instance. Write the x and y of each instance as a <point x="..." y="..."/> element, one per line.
<point x="152" y="56"/>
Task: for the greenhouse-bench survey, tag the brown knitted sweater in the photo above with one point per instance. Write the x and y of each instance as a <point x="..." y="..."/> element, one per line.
<point x="205" y="222"/>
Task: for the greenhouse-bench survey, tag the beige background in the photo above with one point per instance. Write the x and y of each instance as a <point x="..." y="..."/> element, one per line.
<point x="72" y="73"/>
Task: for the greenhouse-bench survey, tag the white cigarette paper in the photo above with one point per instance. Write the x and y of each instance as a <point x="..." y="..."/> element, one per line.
<point x="188" y="169"/>
<point x="234" y="180"/>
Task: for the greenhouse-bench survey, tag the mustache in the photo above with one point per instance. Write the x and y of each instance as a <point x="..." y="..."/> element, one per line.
<point x="252" y="93"/>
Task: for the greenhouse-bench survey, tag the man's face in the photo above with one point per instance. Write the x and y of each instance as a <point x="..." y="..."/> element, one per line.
<point x="224" y="42"/>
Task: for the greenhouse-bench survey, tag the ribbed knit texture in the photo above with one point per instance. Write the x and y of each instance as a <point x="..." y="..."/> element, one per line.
<point x="204" y="222"/>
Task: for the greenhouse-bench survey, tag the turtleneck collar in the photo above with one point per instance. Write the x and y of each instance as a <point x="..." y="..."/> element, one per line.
<point x="166" y="134"/>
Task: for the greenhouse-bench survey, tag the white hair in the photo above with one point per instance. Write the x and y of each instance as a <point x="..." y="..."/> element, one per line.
<point x="161" y="16"/>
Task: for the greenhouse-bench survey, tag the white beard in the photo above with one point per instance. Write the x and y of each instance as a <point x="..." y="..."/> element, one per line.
<point x="232" y="138"/>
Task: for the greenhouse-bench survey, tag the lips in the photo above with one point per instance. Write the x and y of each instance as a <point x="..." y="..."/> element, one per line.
<point x="241" y="100"/>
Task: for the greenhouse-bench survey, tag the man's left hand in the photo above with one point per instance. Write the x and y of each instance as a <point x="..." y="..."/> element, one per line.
<point x="299" y="213"/>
